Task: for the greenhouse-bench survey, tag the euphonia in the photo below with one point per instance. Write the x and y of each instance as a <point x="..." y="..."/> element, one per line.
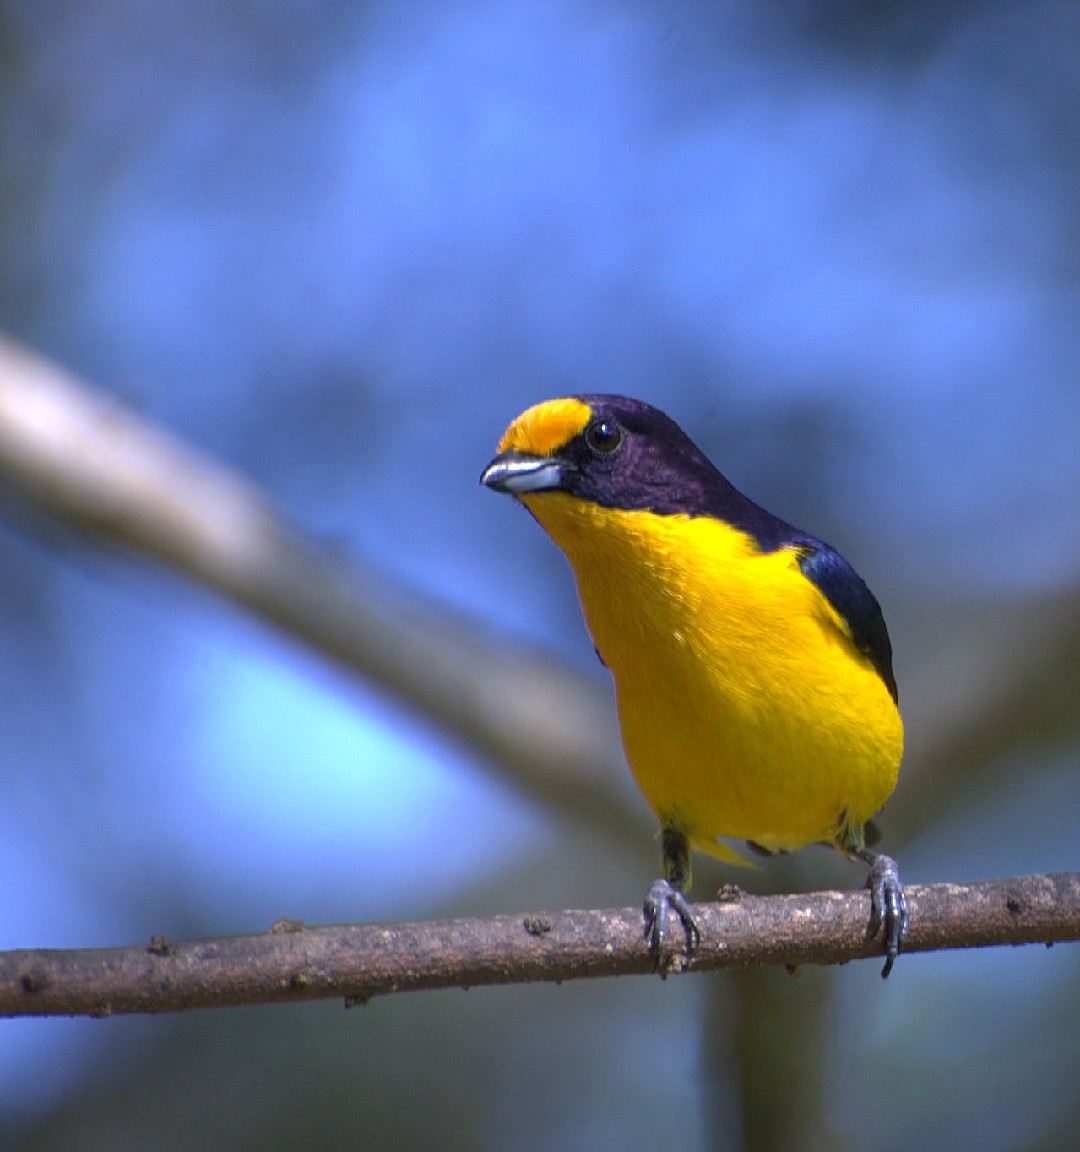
<point x="752" y="666"/>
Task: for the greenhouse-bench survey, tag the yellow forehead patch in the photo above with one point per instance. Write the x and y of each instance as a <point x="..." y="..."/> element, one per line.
<point x="545" y="428"/>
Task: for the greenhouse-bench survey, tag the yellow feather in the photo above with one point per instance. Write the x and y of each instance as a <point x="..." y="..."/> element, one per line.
<point x="746" y="710"/>
<point x="545" y="427"/>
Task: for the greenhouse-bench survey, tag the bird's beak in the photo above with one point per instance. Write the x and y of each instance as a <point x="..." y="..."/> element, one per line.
<point x="516" y="472"/>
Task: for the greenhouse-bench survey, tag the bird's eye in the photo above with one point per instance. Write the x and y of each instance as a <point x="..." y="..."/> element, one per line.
<point x="603" y="436"/>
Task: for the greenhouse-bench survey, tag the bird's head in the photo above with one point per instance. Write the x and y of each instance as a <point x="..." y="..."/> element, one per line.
<point x="608" y="450"/>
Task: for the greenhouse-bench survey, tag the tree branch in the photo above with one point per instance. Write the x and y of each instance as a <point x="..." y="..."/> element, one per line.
<point x="357" y="962"/>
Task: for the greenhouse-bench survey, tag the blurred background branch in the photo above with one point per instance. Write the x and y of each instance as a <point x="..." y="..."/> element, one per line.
<point x="114" y="477"/>
<point x="117" y="479"/>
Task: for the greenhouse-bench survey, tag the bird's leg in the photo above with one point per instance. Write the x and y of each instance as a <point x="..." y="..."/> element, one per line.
<point x="888" y="903"/>
<point x="667" y="894"/>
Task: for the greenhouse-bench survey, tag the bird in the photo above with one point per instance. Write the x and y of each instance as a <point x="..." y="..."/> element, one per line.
<point x="752" y="665"/>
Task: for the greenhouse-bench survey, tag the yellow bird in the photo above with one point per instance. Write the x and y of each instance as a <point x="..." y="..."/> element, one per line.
<point x="752" y="665"/>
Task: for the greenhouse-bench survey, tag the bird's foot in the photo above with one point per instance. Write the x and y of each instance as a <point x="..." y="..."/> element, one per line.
<point x="663" y="898"/>
<point x="888" y="906"/>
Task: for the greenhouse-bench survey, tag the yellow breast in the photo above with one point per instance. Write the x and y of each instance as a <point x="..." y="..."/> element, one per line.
<point x="746" y="710"/>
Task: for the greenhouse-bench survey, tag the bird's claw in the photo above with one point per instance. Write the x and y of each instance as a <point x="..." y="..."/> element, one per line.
<point x="663" y="898"/>
<point x="888" y="906"/>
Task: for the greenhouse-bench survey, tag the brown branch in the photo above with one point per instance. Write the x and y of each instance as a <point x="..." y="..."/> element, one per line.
<point x="357" y="962"/>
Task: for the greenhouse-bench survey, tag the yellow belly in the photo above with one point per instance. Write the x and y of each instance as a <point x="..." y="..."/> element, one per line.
<point x="746" y="710"/>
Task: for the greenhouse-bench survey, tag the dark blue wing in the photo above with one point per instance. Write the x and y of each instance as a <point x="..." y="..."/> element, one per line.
<point x="845" y="590"/>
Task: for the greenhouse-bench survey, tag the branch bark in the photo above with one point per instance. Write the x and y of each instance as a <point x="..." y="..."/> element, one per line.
<point x="357" y="962"/>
